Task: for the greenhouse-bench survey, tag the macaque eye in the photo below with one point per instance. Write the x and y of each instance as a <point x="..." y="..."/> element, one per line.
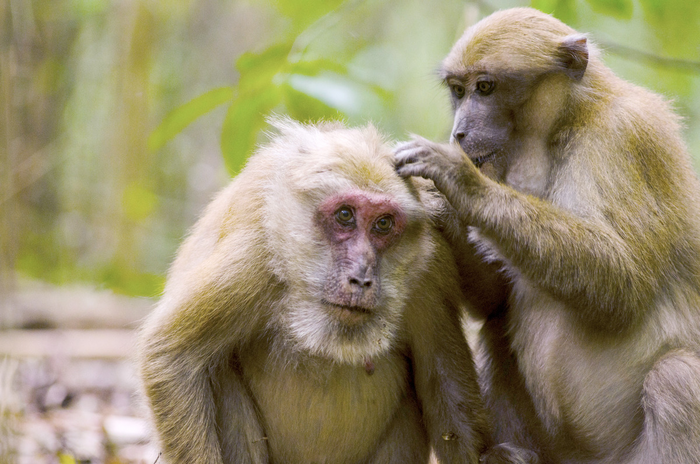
<point x="485" y="87"/>
<point x="344" y="215"/>
<point x="384" y="224"/>
<point x="458" y="90"/>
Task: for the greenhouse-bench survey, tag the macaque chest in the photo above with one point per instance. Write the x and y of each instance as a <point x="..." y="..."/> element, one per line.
<point x="343" y="409"/>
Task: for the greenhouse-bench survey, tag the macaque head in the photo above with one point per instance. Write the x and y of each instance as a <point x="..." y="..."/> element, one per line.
<point x="509" y="77"/>
<point x="348" y="235"/>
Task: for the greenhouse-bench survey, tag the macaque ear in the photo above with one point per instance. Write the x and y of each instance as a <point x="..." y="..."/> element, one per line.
<point x="572" y="55"/>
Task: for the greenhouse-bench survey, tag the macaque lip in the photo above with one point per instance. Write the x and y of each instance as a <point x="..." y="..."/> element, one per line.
<point x="481" y="160"/>
<point x="351" y="315"/>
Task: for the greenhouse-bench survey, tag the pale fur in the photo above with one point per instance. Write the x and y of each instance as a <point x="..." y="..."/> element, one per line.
<point x="293" y="193"/>
<point x="592" y="210"/>
<point x="240" y="360"/>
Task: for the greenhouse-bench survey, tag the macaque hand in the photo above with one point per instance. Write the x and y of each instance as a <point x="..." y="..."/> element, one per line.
<point x="445" y="164"/>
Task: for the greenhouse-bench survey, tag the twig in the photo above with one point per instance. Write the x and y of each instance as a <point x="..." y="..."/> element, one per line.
<point x="639" y="55"/>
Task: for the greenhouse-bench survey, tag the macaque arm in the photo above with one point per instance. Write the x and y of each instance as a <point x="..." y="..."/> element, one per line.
<point x="588" y="263"/>
<point x="444" y="372"/>
<point x="585" y="263"/>
<point x="241" y="434"/>
<point x="216" y="299"/>
<point x="517" y="429"/>
<point x="483" y="284"/>
<point x="406" y="428"/>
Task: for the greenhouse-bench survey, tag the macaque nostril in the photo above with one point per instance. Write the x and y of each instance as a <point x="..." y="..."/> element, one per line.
<point x="364" y="283"/>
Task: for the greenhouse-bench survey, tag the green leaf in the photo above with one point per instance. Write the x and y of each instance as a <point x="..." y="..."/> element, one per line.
<point x="654" y="8"/>
<point x="272" y="55"/>
<point x="340" y="92"/>
<point x="565" y="10"/>
<point x="620" y="9"/>
<point x="304" y="12"/>
<point x="675" y="24"/>
<point x="314" y="67"/>
<point x="258" y="69"/>
<point x="545" y="6"/>
<point x="245" y="118"/>
<point x="303" y="107"/>
<point x="184" y="115"/>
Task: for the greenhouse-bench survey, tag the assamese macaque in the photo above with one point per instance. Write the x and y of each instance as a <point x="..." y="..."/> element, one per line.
<point x="313" y="315"/>
<point x="578" y="186"/>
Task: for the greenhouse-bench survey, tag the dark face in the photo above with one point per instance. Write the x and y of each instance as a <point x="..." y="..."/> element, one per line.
<point x="359" y="226"/>
<point x="486" y="108"/>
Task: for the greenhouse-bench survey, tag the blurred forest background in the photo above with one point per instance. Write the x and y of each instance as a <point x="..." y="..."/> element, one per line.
<point x="119" y="119"/>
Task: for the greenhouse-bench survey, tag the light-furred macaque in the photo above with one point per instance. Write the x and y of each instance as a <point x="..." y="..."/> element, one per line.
<point x="313" y="316"/>
<point x="579" y="186"/>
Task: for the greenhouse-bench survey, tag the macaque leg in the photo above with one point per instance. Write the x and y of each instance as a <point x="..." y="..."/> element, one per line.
<point x="404" y="441"/>
<point x="511" y="408"/>
<point x="671" y="401"/>
<point x="241" y="434"/>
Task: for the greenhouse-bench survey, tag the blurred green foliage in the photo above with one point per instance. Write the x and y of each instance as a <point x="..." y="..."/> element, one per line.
<point x="126" y="117"/>
<point x="282" y="78"/>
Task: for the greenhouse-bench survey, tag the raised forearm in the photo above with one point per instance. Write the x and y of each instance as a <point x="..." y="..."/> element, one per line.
<point x="584" y="262"/>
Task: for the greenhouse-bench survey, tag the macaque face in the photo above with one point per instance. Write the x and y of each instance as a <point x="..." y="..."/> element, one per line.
<point x="502" y="90"/>
<point x="485" y="106"/>
<point x="357" y="279"/>
<point x="347" y="236"/>
<point x="359" y="227"/>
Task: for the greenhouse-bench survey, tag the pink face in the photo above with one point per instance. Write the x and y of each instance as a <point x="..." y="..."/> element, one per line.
<point x="359" y="226"/>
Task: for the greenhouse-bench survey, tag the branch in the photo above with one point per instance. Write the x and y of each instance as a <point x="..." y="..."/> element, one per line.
<point x="639" y="55"/>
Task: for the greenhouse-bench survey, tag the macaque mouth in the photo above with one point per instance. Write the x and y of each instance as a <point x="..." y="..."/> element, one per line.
<point x="348" y="314"/>
<point x="481" y="160"/>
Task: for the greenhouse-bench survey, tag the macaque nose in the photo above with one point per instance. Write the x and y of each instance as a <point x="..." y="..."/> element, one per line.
<point x="362" y="282"/>
<point x="362" y="277"/>
<point x="459" y="135"/>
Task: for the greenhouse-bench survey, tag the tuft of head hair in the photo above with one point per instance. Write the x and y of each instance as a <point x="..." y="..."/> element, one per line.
<point x="316" y="153"/>
<point x="521" y="39"/>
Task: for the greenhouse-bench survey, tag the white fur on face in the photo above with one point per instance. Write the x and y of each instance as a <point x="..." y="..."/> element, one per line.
<point x="311" y="165"/>
<point x="314" y="330"/>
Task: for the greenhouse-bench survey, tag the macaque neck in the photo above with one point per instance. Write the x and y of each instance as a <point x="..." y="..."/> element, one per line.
<point x="529" y="167"/>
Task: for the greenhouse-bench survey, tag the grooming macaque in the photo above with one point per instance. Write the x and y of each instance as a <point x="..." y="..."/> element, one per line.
<point x="313" y="315"/>
<point x="579" y="186"/>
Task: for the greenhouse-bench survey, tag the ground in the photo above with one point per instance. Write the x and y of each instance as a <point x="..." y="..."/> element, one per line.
<point x="71" y="410"/>
<point x="68" y="389"/>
